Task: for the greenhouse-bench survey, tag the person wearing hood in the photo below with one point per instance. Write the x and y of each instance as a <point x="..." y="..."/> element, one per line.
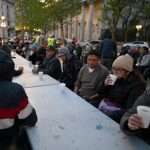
<point x="62" y="56"/>
<point x="15" y="109"/>
<point x="68" y="75"/>
<point x="132" y="124"/>
<point x="116" y="99"/>
<point x="6" y="49"/>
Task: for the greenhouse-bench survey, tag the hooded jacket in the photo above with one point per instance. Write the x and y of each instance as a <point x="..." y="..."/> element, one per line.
<point x="15" y="109"/>
<point x="6" y="49"/>
<point x="144" y="133"/>
<point x="6" y="66"/>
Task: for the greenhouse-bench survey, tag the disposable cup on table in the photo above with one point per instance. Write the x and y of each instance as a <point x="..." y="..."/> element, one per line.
<point x="36" y="67"/>
<point x="40" y="74"/>
<point x="62" y="87"/>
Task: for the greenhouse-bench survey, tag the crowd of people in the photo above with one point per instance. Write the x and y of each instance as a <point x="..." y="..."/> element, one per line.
<point x="90" y="80"/>
<point x="141" y="57"/>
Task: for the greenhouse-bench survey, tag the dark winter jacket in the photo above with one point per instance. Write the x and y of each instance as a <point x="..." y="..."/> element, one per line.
<point x="52" y="67"/>
<point x="143" y="100"/>
<point x="6" y="49"/>
<point x="15" y="109"/>
<point x="34" y="58"/>
<point x="108" y="49"/>
<point x="70" y="73"/>
<point x="124" y="93"/>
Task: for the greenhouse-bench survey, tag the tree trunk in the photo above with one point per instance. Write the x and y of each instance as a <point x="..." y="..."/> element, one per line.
<point x="70" y="29"/>
<point x="64" y="28"/>
<point x="22" y="21"/>
<point x="114" y="32"/>
<point x="90" y="23"/>
<point x="125" y="35"/>
<point x="126" y="32"/>
<point x="61" y="29"/>
<point x="76" y="27"/>
<point x="82" y="21"/>
<point x="144" y="27"/>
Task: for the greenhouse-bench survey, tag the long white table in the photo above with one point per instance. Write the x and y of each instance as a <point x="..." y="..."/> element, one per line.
<point x="18" y="60"/>
<point x="32" y="80"/>
<point x="67" y="122"/>
<point x="27" y="78"/>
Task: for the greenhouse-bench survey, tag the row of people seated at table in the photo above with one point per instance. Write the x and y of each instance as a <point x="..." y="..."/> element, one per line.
<point x="61" y="65"/>
<point x="94" y="85"/>
<point x="118" y="101"/>
<point x="93" y="79"/>
<point x="92" y="82"/>
<point x="123" y="94"/>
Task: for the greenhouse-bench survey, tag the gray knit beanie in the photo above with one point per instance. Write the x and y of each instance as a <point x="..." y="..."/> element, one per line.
<point x="125" y="62"/>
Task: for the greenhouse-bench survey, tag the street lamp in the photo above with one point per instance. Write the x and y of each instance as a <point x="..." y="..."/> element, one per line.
<point x="42" y="1"/>
<point x="3" y="25"/>
<point x="138" y="27"/>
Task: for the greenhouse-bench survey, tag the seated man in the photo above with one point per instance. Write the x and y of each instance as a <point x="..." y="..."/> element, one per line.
<point x="131" y="123"/>
<point x="51" y="64"/>
<point x="15" y="109"/>
<point x="42" y="52"/>
<point x="26" y="50"/>
<point x="89" y="78"/>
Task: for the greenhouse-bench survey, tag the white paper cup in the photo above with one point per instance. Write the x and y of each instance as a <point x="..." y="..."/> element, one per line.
<point x="36" y="67"/>
<point x="144" y="113"/>
<point x="40" y="74"/>
<point x="62" y="86"/>
<point x="13" y="54"/>
<point x="113" y="78"/>
<point x="30" y="63"/>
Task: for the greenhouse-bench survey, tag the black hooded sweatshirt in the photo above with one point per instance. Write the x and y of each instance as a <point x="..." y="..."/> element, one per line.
<point x="15" y="109"/>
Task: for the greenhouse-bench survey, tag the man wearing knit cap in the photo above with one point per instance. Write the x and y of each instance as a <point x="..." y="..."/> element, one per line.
<point x="120" y="96"/>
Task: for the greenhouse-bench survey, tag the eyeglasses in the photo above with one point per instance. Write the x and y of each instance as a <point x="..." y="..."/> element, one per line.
<point x="119" y="70"/>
